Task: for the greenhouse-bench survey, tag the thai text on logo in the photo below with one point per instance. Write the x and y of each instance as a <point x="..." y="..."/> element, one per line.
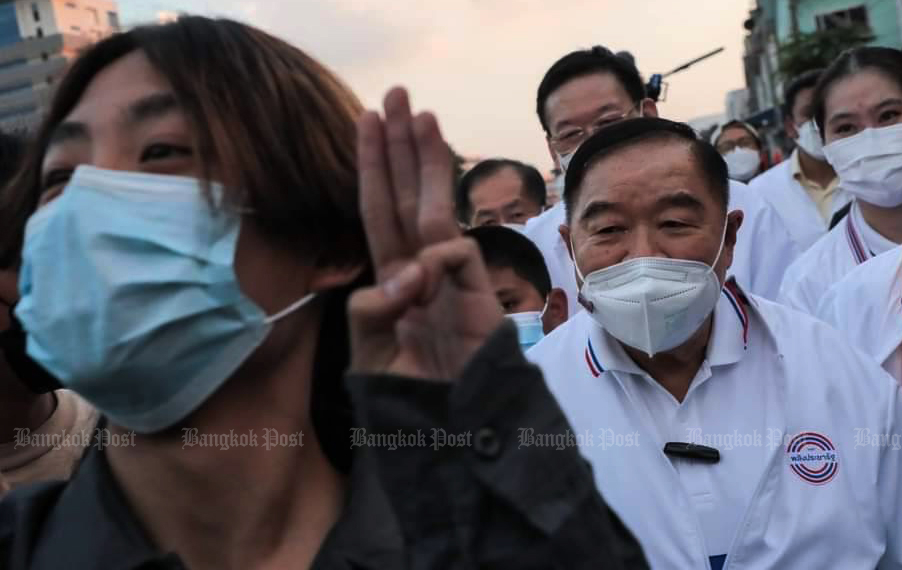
<point x="813" y="458"/>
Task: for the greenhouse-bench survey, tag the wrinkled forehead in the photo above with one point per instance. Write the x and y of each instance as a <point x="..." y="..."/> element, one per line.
<point x="642" y="173"/>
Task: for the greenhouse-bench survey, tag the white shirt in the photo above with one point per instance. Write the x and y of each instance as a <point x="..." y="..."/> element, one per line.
<point x="866" y="307"/>
<point x="718" y="501"/>
<point x="764" y="248"/>
<point x="847" y="245"/>
<point x="789" y="199"/>
<point x="771" y="375"/>
<point x="543" y="231"/>
<point x="893" y="364"/>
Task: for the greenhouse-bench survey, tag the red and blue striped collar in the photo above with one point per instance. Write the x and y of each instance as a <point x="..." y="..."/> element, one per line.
<point x="740" y="302"/>
<point x="856" y="244"/>
<point x="734" y="295"/>
<point x="592" y="360"/>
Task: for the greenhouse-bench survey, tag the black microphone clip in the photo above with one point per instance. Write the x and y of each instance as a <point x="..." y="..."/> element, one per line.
<point x="682" y="450"/>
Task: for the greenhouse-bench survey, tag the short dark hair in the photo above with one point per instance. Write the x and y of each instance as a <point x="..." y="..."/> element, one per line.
<point x="504" y="248"/>
<point x="533" y="183"/>
<point x="630" y="132"/>
<point x="806" y="80"/>
<point x="586" y="62"/>
<point x="886" y="61"/>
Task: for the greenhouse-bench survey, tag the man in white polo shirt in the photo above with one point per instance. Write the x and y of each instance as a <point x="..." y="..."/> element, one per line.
<point x="589" y="89"/>
<point x="746" y="412"/>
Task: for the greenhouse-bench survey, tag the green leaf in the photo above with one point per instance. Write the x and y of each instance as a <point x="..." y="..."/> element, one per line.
<point x="818" y="49"/>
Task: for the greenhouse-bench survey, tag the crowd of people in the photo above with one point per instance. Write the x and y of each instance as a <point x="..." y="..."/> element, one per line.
<point x="250" y="324"/>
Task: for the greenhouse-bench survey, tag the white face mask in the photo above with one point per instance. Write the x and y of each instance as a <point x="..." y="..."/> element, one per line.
<point x="742" y="163"/>
<point x="530" y="329"/>
<point x="652" y="304"/>
<point x="810" y="140"/>
<point x="516" y="227"/>
<point x="564" y="160"/>
<point x="869" y="165"/>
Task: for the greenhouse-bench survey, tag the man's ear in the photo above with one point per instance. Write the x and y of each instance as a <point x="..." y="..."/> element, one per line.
<point x="556" y="311"/>
<point x="649" y="108"/>
<point x="564" y="230"/>
<point x="734" y="222"/>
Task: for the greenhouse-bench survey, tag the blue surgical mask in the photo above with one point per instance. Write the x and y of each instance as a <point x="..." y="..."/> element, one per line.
<point x="530" y="329"/>
<point x="129" y="295"/>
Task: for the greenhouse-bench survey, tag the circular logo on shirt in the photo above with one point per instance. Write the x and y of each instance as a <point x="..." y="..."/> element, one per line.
<point x="813" y="457"/>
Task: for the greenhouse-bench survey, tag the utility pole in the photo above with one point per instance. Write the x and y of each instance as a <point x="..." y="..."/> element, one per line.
<point x="794" y="17"/>
<point x="899" y="16"/>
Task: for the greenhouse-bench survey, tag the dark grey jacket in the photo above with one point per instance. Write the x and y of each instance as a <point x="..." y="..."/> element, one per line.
<point x="439" y="481"/>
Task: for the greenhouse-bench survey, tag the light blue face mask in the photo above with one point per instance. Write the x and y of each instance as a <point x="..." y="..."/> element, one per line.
<point x="530" y="329"/>
<point x="129" y="295"/>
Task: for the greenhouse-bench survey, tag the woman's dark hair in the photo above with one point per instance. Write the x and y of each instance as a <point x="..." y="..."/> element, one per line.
<point x="280" y="129"/>
<point x="886" y="61"/>
<point x="279" y="126"/>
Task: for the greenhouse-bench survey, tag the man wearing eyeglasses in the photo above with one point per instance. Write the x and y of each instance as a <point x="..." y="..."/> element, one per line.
<point x="588" y="89"/>
<point x="740" y="146"/>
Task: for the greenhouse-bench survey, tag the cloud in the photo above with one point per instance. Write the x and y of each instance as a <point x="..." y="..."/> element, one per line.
<point x="341" y="33"/>
<point x="477" y="63"/>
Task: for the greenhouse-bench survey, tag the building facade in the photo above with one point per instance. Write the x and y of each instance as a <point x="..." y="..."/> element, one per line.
<point x="773" y="23"/>
<point x="737" y="104"/>
<point x="37" y="40"/>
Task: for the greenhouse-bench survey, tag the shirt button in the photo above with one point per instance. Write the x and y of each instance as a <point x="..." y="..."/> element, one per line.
<point x="486" y="443"/>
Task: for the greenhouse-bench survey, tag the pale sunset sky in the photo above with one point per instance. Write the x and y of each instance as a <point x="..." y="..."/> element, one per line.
<point x="477" y="63"/>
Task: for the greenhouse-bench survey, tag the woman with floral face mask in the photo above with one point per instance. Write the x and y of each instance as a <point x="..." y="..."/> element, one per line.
<point x="858" y="111"/>
<point x="195" y="239"/>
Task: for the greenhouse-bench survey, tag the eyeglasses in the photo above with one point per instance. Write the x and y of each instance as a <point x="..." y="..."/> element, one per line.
<point x="569" y="139"/>
<point x="728" y="146"/>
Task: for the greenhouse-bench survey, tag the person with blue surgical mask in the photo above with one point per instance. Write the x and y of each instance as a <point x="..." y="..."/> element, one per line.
<point x="857" y="108"/>
<point x="803" y="189"/>
<point x="728" y="422"/>
<point x="239" y="275"/>
<point x="521" y="282"/>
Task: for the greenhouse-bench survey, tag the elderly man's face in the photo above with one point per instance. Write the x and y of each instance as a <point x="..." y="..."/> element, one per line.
<point x="649" y="200"/>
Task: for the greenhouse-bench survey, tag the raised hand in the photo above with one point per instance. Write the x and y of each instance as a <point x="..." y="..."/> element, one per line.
<point x="432" y="306"/>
